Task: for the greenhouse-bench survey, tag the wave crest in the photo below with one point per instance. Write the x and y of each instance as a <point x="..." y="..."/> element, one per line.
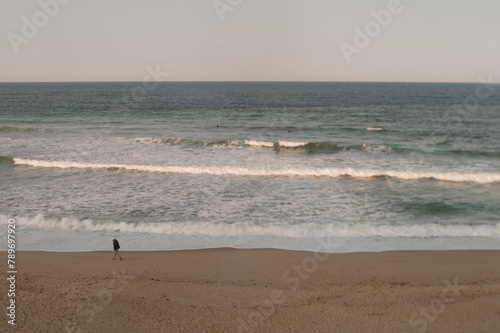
<point x="284" y="146"/>
<point x="260" y="172"/>
<point x="187" y="142"/>
<point x="247" y="229"/>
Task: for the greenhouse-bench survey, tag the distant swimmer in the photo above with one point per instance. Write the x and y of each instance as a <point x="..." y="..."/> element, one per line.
<point x="217" y="126"/>
<point x="290" y="131"/>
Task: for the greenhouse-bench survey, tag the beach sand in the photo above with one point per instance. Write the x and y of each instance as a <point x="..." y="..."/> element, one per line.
<point x="229" y="290"/>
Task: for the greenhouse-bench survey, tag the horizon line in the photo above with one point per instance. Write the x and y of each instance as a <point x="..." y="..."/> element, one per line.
<point x="249" y="81"/>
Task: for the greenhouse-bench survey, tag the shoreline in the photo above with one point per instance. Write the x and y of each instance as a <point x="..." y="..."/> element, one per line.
<point x="62" y="240"/>
<point x="253" y="249"/>
<point x="258" y="290"/>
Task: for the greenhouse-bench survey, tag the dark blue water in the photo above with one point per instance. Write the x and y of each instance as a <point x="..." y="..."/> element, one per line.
<point x="366" y="166"/>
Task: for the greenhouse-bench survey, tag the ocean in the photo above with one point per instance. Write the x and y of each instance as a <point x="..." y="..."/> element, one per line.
<point x="332" y="167"/>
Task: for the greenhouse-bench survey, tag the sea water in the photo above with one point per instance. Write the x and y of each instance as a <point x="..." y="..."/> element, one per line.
<point x="334" y="167"/>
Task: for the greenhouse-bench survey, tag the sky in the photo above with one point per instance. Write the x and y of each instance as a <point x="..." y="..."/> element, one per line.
<point x="250" y="40"/>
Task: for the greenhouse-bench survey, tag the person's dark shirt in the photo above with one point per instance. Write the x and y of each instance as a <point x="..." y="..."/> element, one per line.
<point x="116" y="245"/>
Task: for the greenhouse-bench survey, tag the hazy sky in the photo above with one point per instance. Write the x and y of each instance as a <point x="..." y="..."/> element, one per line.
<point x="277" y="40"/>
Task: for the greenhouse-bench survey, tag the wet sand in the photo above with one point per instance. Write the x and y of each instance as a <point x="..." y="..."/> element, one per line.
<point x="229" y="290"/>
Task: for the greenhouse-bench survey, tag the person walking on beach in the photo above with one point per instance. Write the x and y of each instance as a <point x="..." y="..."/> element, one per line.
<point x="116" y="247"/>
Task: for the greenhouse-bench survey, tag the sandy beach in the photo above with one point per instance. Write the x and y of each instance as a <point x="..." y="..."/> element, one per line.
<point x="229" y="290"/>
<point x="216" y="144"/>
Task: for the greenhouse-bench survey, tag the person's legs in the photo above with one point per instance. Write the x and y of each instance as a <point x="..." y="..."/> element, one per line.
<point x="119" y="256"/>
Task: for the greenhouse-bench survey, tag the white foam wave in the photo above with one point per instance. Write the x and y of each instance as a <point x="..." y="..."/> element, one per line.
<point x="155" y="140"/>
<point x="374" y="129"/>
<point x="256" y="143"/>
<point x="363" y="230"/>
<point x="271" y="144"/>
<point x="222" y="143"/>
<point x="291" y="144"/>
<point x="246" y="142"/>
<point x="260" y="172"/>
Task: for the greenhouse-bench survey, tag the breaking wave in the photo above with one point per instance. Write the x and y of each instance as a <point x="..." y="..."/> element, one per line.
<point x="249" y="229"/>
<point x="179" y="141"/>
<point x="262" y="172"/>
<point x="278" y="146"/>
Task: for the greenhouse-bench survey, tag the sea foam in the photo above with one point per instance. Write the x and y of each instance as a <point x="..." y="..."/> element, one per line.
<point x="263" y="172"/>
<point x="361" y="230"/>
